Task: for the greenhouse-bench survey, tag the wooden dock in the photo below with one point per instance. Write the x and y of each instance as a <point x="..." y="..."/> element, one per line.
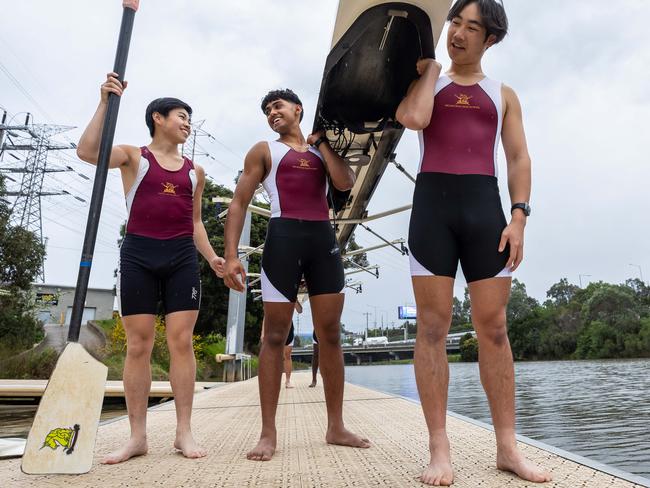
<point x="35" y="388"/>
<point x="226" y="420"/>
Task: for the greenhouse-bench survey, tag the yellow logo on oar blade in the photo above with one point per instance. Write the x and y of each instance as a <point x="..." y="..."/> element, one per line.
<point x="66" y="438"/>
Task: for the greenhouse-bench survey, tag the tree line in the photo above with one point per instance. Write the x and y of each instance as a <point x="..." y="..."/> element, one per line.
<point x="602" y="320"/>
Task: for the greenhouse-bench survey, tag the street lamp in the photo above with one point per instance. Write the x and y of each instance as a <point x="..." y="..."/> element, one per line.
<point x="640" y="271"/>
<point x="580" y="278"/>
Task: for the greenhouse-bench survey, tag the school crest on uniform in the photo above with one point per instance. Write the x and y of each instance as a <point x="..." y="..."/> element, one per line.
<point x="169" y="188"/>
<point x="463" y="99"/>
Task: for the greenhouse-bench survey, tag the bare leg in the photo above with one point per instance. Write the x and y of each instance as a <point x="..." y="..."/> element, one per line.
<point x="326" y="313"/>
<point x="287" y="365"/>
<point x="277" y="321"/>
<point x="137" y="384"/>
<point x="314" y="365"/>
<point x="489" y="300"/>
<point x="182" y="374"/>
<point x="433" y="296"/>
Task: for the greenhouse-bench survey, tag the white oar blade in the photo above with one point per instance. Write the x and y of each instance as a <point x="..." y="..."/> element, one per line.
<point x="62" y="437"/>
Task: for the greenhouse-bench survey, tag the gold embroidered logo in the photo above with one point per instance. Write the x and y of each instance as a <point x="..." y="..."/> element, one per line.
<point x="463" y="99"/>
<point x="304" y="164"/>
<point x="169" y="188"/>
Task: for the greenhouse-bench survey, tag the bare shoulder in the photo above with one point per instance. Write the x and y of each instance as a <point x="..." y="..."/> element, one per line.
<point x="260" y="148"/>
<point x="509" y="94"/>
<point x="259" y="154"/>
<point x="131" y="154"/>
<point x="200" y="172"/>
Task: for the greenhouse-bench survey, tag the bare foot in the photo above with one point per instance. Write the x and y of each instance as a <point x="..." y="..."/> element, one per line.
<point x="516" y="463"/>
<point x="187" y="445"/>
<point x="343" y="437"/>
<point x="288" y="385"/>
<point x="134" y="447"/>
<point x="312" y="384"/>
<point x="439" y="471"/>
<point x="264" y="450"/>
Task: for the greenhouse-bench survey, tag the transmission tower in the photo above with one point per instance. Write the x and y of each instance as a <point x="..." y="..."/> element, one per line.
<point x="29" y="144"/>
<point x="191" y="149"/>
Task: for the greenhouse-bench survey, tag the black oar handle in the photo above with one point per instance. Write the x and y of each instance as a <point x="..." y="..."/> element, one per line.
<point x="110" y="121"/>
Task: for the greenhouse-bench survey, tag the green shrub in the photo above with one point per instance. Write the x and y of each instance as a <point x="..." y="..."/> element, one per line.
<point x="469" y="349"/>
<point x="30" y="365"/>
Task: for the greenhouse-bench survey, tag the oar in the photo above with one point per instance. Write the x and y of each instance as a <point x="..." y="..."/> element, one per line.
<point x="62" y="437"/>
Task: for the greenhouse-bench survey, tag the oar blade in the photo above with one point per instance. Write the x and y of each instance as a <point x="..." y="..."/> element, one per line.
<point x="62" y="437"/>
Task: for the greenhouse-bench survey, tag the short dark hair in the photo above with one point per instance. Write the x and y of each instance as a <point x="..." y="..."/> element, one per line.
<point x="493" y="16"/>
<point x="163" y="106"/>
<point x="284" y="94"/>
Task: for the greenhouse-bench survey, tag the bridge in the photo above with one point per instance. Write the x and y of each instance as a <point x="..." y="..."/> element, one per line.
<point x="391" y="351"/>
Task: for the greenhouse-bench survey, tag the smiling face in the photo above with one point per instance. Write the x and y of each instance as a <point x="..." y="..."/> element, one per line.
<point x="466" y="37"/>
<point x="282" y="115"/>
<point x="175" y="127"/>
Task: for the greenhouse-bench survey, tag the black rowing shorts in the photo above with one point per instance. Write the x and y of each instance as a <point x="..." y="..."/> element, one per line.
<point x="296" y="248"/>
<point x="457" y="217"/>
<point x="158" y="270"/>
<point x="290" y="336"/>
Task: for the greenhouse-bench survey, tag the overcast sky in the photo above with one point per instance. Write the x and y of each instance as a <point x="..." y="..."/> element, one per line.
<point x="580" y="69"/>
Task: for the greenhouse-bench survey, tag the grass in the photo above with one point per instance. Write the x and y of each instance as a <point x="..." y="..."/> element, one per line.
<point x="106" y="325"/>
<point x="32" y="365"/>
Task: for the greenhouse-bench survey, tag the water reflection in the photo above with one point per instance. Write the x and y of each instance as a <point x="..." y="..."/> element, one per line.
<point x="598" y="409"/>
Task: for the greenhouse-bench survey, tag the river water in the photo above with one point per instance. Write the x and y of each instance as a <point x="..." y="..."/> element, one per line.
<point x="597" y="409"/>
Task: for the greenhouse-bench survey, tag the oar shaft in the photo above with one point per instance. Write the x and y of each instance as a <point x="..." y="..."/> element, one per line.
<point x="108" y="132"/>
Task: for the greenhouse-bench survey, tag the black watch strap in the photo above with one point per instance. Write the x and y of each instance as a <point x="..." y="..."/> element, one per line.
<point x="523" y="206"/>
<point x="318" y="142"/>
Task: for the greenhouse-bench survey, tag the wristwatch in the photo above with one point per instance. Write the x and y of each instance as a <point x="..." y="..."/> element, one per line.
<point x="318" y="142"/>
<point x="523" y="206"/>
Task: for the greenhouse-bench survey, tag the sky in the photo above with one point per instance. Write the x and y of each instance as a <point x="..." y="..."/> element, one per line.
<point x="580" y="69"/>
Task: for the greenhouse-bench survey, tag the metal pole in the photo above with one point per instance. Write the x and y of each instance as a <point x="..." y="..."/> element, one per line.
<point x="108" y="131"/>
<point x="367" y="314"/>
<point x="237" y="311"/>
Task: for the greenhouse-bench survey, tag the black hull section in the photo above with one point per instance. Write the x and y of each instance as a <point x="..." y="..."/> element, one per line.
<point x="369" y="70"/>
<point x="366" y="76"/>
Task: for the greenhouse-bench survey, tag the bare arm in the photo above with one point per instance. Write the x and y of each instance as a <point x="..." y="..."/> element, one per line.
<point x="519" y="174"/>
<point x="343" y="177"/>
<point x="201" y="240"/>
<point x="88" y="147"/>
<point x="254" y="170"/>
<point x="414" y="112"/>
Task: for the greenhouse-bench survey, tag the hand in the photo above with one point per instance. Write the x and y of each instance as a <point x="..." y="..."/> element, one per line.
<point x="315" y="136"/>
<point x="234" y="275"/>
<point x="132" y="4"/>
<point x="513" y="235"/>
<point x="112" y="85"/>
<point x="217" y="265"/>
<point x="427" y="63"/>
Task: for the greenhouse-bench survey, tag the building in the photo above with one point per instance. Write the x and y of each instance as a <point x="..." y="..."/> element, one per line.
<point x="54" y="303"/>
